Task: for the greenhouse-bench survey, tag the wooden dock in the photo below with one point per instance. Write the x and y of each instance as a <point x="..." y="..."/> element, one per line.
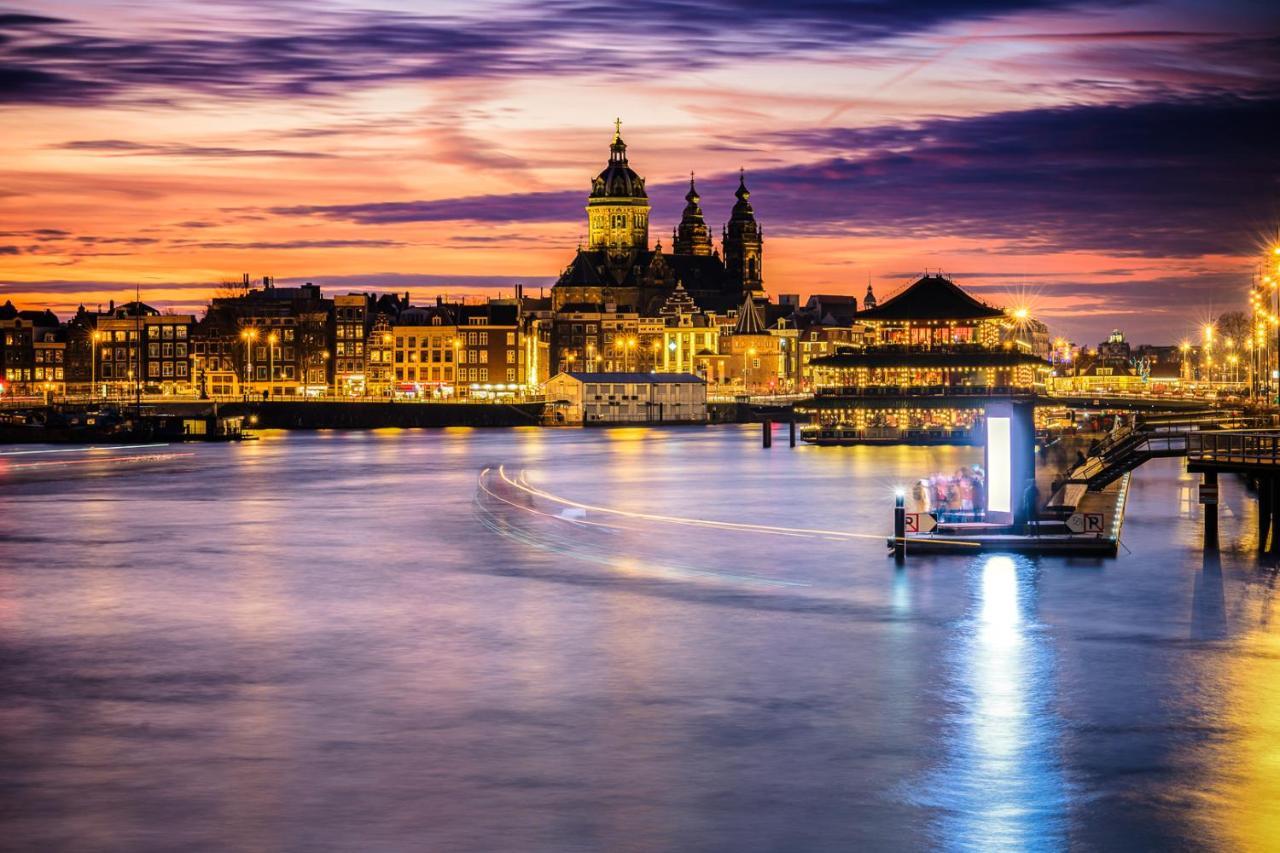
<point x="1049" y="535"/>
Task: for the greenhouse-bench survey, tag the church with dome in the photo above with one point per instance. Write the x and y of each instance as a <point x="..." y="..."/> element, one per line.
<point x="618" y="268"/>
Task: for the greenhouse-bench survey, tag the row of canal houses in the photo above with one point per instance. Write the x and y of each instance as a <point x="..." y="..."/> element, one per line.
<point x="294" y="342"/>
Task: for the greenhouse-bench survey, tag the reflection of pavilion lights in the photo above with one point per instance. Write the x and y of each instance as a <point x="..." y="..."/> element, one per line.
<point x="1001" y="787"/>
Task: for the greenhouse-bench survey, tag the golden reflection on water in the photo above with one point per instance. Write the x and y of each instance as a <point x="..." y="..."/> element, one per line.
<point x="1243" y="806"/>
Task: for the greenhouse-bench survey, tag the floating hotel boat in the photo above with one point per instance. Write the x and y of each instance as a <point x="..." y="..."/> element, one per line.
<point x="110" y="425"/>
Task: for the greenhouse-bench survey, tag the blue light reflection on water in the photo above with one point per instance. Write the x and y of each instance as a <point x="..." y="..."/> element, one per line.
<point x="1000" y="785"/>
<point x="330" y="642"/>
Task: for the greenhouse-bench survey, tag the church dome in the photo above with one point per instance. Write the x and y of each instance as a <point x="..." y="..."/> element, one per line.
<point x="618" y="180"/>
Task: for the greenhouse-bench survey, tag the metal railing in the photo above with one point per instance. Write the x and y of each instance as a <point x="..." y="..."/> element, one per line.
<point x="1245" y="448"/>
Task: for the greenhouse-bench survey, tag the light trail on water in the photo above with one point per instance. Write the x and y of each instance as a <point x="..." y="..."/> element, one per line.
<point x="804" y="532"/>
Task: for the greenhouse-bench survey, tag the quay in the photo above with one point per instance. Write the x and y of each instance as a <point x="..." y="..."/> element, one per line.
<point x="204" y="421"/>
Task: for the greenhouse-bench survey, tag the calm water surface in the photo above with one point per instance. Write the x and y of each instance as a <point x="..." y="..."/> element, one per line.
<point x="628" y="639"/>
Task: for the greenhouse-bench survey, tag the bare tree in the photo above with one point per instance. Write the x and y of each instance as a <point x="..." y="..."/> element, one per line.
<point x="1235" y="326"/>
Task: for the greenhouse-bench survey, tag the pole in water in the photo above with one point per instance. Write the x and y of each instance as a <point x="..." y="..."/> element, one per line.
<point x="1209" y="499"/>
<point x="899" y="528"/>
<point x="792" y="424"/>
<point x="766" y="433"/>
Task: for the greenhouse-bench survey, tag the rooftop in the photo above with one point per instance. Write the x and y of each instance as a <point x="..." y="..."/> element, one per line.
<point x="932" y="297"/>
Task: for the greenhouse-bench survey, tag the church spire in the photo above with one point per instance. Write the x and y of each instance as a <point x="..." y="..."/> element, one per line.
<point x="693" y="237"/>
<point x="744" y="241"/>
<point x="617" y="148"/>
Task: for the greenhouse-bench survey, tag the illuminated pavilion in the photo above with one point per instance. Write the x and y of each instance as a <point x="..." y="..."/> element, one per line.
<point x="933" y="357"/>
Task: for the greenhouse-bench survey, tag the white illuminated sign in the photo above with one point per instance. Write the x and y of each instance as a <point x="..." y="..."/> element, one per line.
<point x="999" y="465"/>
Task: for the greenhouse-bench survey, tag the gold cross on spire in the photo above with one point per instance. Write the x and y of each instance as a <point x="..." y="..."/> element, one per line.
<point x="617" y="128"/>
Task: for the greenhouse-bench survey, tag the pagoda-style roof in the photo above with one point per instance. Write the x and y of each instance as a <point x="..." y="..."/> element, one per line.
<point x="952" y="356"/>
<point x="932" y="297"/>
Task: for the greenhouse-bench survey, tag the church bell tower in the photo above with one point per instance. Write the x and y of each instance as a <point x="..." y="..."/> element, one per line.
<point x="692" y="237"/>
<point x="744" y="242"/>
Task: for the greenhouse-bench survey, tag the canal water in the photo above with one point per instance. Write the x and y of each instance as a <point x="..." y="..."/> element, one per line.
<point x="627" y="639"/>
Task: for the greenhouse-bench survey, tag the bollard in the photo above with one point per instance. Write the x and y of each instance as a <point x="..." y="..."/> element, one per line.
<point x="793" y="433"/>
<point x="766" y="433"/>
<point x="1264" y="511"/>
<point x="1209" y="499"/>
<point x="1273" y="486"/>
<point x="899" y="529"/>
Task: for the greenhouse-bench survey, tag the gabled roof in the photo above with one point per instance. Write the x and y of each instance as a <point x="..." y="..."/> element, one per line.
<point x="594" y="268"/>
<point x="493" y="314"/>
<point x="932" y="297"/>
<point x="38" y="317"/>
<point x="699" y="272"/>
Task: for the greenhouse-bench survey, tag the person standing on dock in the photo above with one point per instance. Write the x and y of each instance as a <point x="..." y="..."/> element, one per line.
<point x="920" y="496"/>
<point x="1031" y="507"/>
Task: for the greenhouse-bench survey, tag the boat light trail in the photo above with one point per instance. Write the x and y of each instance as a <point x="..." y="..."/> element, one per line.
<point x="523" y="485"/>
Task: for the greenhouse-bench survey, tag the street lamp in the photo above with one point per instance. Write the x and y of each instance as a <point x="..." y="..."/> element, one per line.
<point x="271" y="361"/>
<point x="248" y="336"/>
<point x="93" y="364"/>
<point x="106" y="354"/>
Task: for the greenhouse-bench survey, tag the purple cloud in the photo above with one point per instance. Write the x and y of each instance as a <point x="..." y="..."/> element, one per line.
<point x="290" y="52"/>
<point x="1176" y="179"/>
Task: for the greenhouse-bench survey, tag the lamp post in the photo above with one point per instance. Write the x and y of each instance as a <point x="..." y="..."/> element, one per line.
<point x="93" y="364"/>
<point x="384" y="362"/>
<point x="1207" y="359"/>
<point x="271" y="362"/>
<point x="457" y="371"/>
<point x="324" y="356"/>
<point x="248" y="336"/>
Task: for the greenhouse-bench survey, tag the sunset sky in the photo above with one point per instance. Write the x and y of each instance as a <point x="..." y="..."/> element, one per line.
<point x="1111" y="163"/>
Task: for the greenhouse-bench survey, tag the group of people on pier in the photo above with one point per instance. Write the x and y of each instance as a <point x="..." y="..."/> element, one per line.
<point x="960" y="496"/>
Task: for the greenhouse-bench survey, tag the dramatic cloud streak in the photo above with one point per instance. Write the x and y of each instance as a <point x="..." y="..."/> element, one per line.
<point x="124" y="148"/>
<point x="1144" y="180"/>
<point x="54" y="60"/>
